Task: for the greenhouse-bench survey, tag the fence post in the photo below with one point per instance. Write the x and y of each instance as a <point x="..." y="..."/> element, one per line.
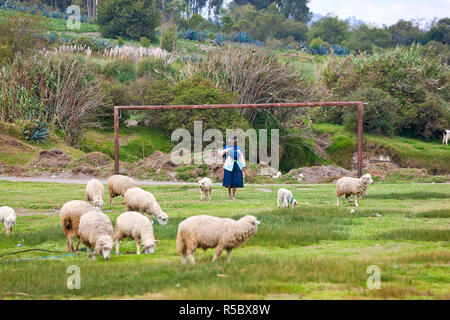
<point x="116" y="140"/>
<point x="360" y="131"/>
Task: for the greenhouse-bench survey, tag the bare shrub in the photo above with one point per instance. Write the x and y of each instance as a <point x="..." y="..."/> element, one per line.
<point x="58" y="89"/>
<point x="252" y="73"/>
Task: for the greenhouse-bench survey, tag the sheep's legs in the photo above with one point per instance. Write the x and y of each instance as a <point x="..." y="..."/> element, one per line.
<point x="229" y="254"/>
<point x="338" y="200"/>
<point x="201" y="195"/>
<point x="183" y="258"/>
<point x="217" y="254"/>
<point x="356" y="201"/>
<point x="88" y="253"/>
<point x="69" y="244"/>
<point x="138" y="248"/>
<point x="278" y="203"/>
<point x="117" y="246"/>
<point x="78" y="244"/>
<point x="347" y="196"/>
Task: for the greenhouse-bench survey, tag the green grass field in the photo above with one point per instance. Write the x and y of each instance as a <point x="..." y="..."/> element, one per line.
<point x="317" y="251"/>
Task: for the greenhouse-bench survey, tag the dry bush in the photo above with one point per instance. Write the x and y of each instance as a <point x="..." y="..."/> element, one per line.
<point x="57" y="89"/>
<point x="252" y="73"/>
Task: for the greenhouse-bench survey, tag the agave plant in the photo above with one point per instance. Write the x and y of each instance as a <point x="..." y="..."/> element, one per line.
<point x="37" y="133"/>
<point x="243" y="37"/>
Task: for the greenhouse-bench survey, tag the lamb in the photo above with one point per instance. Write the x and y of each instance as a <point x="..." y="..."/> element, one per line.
<point x="138" y="227"/>
<point x="286" y="197"/>
<point x="352" y="186"/>
<point x="70" y="215"/>
<point x="8" y="217"/>
<point x="143" y="201"/>
<point x="96" y="231"/>
<point x="212" y="232"/>
<point x="118" y="185"/>
<point x="94" y="192"/>
<point x="205" y="185"/>
<point x="445" y="137"/>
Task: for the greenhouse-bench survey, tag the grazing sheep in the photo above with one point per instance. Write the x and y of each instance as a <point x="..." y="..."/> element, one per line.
<point x="143" y="201"/>
<point x="70" y="215"/>
<point x="96" y="231"/>
<point x="205" y="185"/>
<point x="138" y="227"/>
<point x="94" y="192"/>
<point x="8" y="217"/>
<point x="352" y="186"/>
<point x="118" y="185"/>
<point x="212" y="232"/>
<point x="445" y="137"/>
<point x="286" y="197"/>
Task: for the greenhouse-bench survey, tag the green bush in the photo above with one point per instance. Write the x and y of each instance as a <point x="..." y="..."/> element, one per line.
<point x="197" y="90"/>
<point x="156" y="68"/>
<point x="86" y="41"/>
<point x="145" y="42"/>
<point x="410" y="75"/>
<point x="123" y="71"/>
<point x="128" y="18"/>
<point x="167" y="38"/>
<point x="379" y="115"/>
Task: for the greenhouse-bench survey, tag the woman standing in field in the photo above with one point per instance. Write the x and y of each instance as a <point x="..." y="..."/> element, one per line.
<point x="232" y="168"/>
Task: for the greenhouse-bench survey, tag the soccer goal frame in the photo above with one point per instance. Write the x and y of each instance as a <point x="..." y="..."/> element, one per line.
<point x="358" y="104"/>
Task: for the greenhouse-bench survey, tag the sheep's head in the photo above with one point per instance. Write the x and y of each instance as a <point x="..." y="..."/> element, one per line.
<point x="103" y="246"/>
<point x="98" y="202"/>
<point x="294" y="203"/>
<point x="367" y="179"/>
<point x="162" y="218"/>
<point x="149" y="246"/>
<point x="10" y="222"/>
<point x="252" y="220"/>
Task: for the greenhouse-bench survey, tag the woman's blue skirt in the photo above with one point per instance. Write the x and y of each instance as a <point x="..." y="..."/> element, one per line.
<point x="233" y="178"/>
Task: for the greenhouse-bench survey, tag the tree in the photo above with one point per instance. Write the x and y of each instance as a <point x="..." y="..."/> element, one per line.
<point x="440" y="32"/>
<point x="128" y="18"/>
<point x="365" y="39"/>
<point x="405" y="33"/>
<point x="295" y="9"/>
<point x="329" y="29"/>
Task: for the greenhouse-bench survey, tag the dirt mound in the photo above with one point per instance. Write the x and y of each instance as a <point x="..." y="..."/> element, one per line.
<point x="321" y="174"/>
<point x="10" y="141"/>
<point x="157" y="161"/>
<point x="382" y="169"/>
<point x="97" y="159"/>
<point x="51" y="159"/>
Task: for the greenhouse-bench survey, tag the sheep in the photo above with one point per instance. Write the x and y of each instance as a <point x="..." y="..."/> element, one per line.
<point x="286" y="197"/>
<point x="96" y="231"/>
<point x="205" y="185"/>
<point x="212" y="232"/>
<point x="445" y="137"/>
<point x="8" y="217"/>
<point x="138" y="227"/>
<point x="143" y="201"/>
<point x="352" y="186"/>
<point x="118" y="185"/>
<point x="94" y="192"/>
<point x="70" y="215"/>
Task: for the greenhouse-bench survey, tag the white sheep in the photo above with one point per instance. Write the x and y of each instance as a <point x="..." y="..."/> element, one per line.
<point x="205" y="186"/>
<point x="70" y="215"/>
<point x="212" y="232"/>
<point x="286" y="197"/>
<point x="352" y="186"/>
<point x="8" y="217"/>
<point x="138" y="227"/>
<point x="137" y="199"/>
<point x="118" y="185"/>
<point x="96" y="231"/>
<point x="94" y="192"/>
<point x="445" y="137"/>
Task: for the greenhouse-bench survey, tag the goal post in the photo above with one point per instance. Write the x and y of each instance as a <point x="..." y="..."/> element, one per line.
<point x="358" y="104"/>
